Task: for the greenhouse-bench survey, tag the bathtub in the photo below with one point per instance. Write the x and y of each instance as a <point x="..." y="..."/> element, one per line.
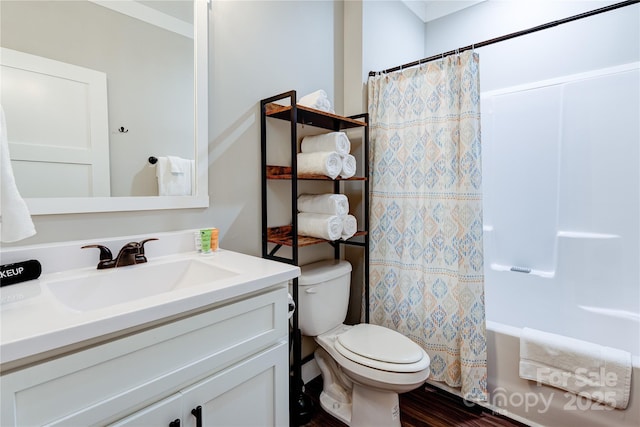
<point x="541" y="405"/>
<point x="561" y="233"/>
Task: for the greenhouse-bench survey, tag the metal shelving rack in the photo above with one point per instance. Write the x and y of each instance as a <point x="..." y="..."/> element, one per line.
<point x="274" y="238"/>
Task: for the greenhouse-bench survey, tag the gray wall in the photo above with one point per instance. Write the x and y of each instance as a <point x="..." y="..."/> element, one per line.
<point x="257" y="49"/>
<point x="260" y="48"/>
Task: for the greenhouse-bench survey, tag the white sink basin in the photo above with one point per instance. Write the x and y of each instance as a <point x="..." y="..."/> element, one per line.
<point x="104" y="288"/>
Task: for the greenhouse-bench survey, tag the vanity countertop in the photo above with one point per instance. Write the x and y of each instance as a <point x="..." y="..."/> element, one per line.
<point x="34" y="323"/>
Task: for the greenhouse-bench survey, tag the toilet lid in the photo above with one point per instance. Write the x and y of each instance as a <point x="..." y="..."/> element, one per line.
<point x="380" y="344"/>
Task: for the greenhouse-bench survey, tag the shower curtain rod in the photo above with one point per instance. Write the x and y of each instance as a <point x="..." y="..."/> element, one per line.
<point x="509" y="36"/>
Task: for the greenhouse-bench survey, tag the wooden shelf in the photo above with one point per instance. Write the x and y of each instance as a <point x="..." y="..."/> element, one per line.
<point x="313" y="117"/>
<point x="282" y="236"/>
<point x="284" y="172"/>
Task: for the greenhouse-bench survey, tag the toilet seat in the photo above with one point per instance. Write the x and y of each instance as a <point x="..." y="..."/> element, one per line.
<point x="400" y="377"/>
<point x="381" y="348"/>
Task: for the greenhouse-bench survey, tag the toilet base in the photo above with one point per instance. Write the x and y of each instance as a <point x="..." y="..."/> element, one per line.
<point x="352" y="403"/>
<point x="340" y="410"/>
<point x="370" y="408"/>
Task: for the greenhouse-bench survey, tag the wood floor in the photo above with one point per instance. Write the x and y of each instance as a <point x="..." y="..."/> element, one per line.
<point x="423" y="407"/>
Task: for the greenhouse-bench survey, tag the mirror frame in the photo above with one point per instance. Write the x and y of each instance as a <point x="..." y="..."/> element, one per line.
<point x="71" y="205"/>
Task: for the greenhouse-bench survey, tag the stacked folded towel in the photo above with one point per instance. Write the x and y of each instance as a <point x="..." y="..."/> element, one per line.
<point x="327" y="163"/>
<point x="325" y="216"/>
<point x="596" y="372"/>
<point x="348" y="166"/>
<point x="327" y="154"/>
<point x="334" y="141"/>
<point x="332" y="204"/>
<point x="349" y="227"/>
<point x="317" y="100"/>
<point x="323" y="226"/>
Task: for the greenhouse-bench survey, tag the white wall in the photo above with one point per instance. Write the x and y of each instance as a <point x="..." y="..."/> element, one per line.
<point x="392" y="35"/>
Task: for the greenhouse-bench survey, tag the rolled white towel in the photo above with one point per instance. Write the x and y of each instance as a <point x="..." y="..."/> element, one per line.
<point x="318" y="100"/>
<point x="349" y="227"/>
<point x="348" y="166"/>
<point x="327" y="163"/>
<point x="331" y="204"/>
<point x="323" y="226"/>
<point x="334" y="141"/>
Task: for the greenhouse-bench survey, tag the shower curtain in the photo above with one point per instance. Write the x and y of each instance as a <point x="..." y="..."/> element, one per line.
<point x="426" y="259"/>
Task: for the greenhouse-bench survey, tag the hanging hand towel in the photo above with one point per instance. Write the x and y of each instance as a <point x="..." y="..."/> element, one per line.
<point x="348" y="166"/>
<point x="322" y="226"/>
<point x="15" y="221"/>
<point x="175" y="176"/>
<point x="332" y="204"/>
<point x="349" y="227"/>
<point x="334" y="141"/>
<point x="327" y="163"/>
<point x="599" y="373"/>
<point x="318" y="100"/>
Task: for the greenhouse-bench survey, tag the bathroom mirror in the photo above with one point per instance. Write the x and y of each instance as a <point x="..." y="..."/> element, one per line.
<point x="152" y="106"/>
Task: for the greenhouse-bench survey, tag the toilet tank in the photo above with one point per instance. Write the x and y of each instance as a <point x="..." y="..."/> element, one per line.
<point x="323" y="296"/>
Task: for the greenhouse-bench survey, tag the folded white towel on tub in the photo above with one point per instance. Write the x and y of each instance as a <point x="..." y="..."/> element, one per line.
<point x="333" y="141"/>
<point x="600" y="373"/>
<point x="349" y="226"/>
<point x="348" y="166"/>
<point x="327" y="163"/>
<point x="322" y="226"/>
<point x="332" y="204"/>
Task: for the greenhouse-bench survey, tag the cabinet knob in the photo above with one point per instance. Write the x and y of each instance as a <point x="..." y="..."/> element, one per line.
<point x="175" y="423"/>
<point x="197" y="412"/>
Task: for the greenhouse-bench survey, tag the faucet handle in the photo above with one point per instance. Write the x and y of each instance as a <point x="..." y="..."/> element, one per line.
<point x="106" y="258"/>
<point x="145" y="241"/>
<point x="105" y="252"/>
<point x="140" y="256"/>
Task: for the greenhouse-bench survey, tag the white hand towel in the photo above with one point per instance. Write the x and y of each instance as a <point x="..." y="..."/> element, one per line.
<point x="322" y="226"/>
<point x="178" y="183"/>
<point x="349" y="227"/>
<point x="318" y="100"/>
<point x="348" y="166"/>
<point x="332" y="204"/>
<point x="327" y="163"/>
<point x="178" y="164"/>
<point x="599" y="373"/>
<point x="333" y="141"/>
<point x="15" y="221"/>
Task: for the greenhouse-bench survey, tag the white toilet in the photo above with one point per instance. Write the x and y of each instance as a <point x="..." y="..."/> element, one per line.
<point x="363" y="367"/>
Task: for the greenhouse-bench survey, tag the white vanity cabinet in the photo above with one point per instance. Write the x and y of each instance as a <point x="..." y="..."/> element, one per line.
<point x="230" y="360"/>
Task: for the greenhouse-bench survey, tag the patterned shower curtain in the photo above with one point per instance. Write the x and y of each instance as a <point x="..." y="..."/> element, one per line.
<point x="426" y="258"/>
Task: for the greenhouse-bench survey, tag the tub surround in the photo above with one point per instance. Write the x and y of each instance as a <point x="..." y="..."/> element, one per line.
<point x="36" y="325"/>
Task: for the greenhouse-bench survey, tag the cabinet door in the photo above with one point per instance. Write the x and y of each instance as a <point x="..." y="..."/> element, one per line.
<point x="254" y="392"/>
<point x="160" y="414"/>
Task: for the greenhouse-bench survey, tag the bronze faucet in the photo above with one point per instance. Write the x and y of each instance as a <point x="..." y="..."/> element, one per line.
<point x="130" y="254"/>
